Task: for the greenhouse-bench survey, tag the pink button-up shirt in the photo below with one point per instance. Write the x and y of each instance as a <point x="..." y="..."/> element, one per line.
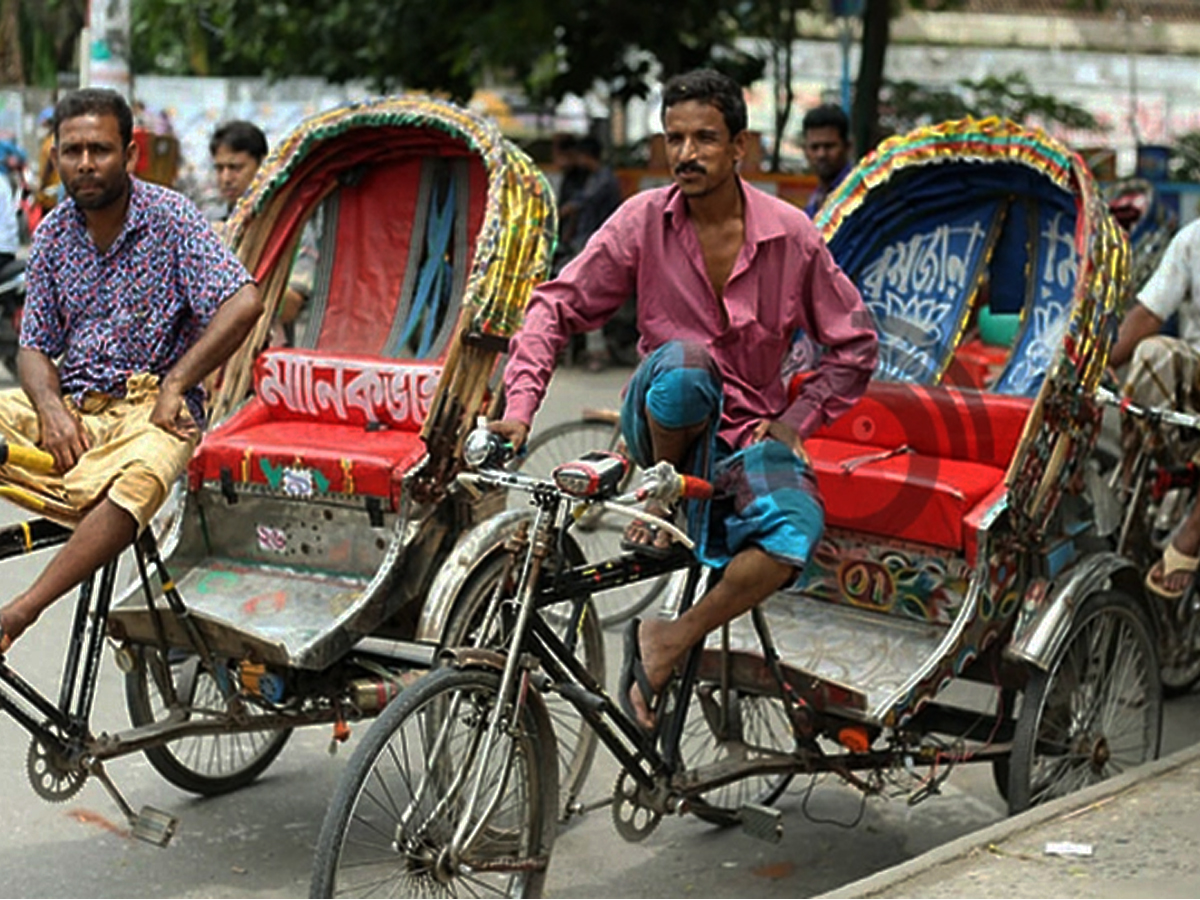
<point x="783" y="279"/>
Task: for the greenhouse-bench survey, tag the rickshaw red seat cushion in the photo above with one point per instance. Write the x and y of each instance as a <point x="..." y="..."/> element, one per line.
<point x="906" y="495"/>
<point x="912" y="462"/>
<point x="321" y="424"/>
<point x="950" y="423"/>
<point x="306" y="458"/>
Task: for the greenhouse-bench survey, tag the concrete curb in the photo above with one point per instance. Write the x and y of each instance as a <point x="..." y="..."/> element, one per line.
<point x="1001" y="831"/>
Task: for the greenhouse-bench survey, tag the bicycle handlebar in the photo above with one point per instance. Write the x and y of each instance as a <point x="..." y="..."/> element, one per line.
<point x="660" y="483"/>
<point x="28" y="458"/>
<point x="1152" y="413"/>
<point x="665" y="484"/>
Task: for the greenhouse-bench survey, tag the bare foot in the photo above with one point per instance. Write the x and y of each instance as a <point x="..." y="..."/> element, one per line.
<point x="12" y="625"/>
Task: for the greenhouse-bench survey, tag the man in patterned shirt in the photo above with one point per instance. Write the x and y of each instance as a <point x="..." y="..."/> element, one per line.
<point x="132" y="301"/>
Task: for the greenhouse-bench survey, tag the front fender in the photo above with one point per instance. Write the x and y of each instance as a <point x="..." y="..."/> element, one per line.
<point x="1038" y="640"/>
<point x="471" y="550"/>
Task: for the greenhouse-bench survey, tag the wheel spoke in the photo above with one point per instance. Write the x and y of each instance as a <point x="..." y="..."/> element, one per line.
<point x="576" y="743"/>
<point x="206" y="764"/>
<point x="1096" y="713"/>
<point x="414" y="772"/>
<point x="758" y="724"/>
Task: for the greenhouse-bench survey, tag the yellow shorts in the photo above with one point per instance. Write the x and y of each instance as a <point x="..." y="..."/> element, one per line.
<point x="131" y="461"/>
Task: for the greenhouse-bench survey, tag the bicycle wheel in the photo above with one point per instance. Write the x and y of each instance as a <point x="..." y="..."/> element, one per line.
<point x="576" y="742"/>
<point x="208" y="764"/>
<point x="738" y="725"/>
<point x="406" y="793"/>
<point x="598" y="533"/>
<point x="1095" y="713"/>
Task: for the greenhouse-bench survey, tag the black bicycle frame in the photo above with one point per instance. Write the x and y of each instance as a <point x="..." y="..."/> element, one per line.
<point x="588" y="696"/>
<point x="70" y="718"/>
<point x="45" y="720"/>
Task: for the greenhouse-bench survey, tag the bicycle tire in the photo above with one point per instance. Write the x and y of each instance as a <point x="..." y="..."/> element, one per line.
<point x="1095" y="712"/>
<point x="717" y="729"/>
<point x="400" y="800"/>
<point x="210" y="764"/>
<point x="600" y="536"/>
<point x="576" y="743"/>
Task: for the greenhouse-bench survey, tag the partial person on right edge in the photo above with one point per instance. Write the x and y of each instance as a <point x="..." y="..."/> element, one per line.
<point x="1165" y="371"/>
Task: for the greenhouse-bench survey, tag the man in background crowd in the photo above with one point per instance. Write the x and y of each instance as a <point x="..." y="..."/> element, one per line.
<point x="592" y="202"/>
<point x="237" y="149"/>
<point x="826" y="136"/>
<point x="49" y="184"/>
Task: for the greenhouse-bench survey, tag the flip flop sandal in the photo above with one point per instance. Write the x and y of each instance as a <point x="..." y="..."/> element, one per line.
<point x="651" y="547"/>
<point x="632" y="671"/>
<point x="646" y="548"/>
<point x="1172" y="561"/>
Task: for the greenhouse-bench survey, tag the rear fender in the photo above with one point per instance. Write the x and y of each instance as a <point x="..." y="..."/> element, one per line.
<point x="1038" y="639"/>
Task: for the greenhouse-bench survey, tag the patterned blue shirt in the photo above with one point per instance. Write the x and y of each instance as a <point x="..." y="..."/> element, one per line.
<point x="135" y="308"/>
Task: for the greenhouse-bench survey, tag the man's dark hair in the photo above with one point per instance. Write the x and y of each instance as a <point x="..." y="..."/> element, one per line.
<point x="239" y="136"/>
<point x="95" y="102"/>
<point x="708" y="86"/>
<point x="827" y="115"/>
<point x="589" y="145"/>
<point x="564" y="142"/>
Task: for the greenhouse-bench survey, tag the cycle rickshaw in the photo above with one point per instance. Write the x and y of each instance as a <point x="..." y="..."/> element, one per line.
<point x="959" y="547"/>
<point x="281" y="584"/>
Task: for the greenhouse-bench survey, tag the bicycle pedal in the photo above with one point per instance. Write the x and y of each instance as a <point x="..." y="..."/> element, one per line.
<point x="762" y="822"/>
<point x="154" y="826"/>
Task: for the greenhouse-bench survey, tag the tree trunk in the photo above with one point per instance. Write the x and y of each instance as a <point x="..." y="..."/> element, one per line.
<point x="865" y="118"/>
<point x="12" y="66"/>
<point x="783" y="65"/>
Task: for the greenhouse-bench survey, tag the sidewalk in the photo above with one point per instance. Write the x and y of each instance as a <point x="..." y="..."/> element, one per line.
<point x="1143" y="828"/>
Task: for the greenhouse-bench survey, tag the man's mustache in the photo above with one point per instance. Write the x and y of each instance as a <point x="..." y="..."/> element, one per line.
<point x="686" y="167"/>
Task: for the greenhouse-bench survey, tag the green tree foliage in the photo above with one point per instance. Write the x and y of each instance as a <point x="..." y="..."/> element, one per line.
<point x="775" y="21"/>
<point x="623" y="44"/>
<point x="906" y="104"/>
<point x="553" y="48"/>
<point x="866" y="119"/>
<point x="49" y="34"/>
